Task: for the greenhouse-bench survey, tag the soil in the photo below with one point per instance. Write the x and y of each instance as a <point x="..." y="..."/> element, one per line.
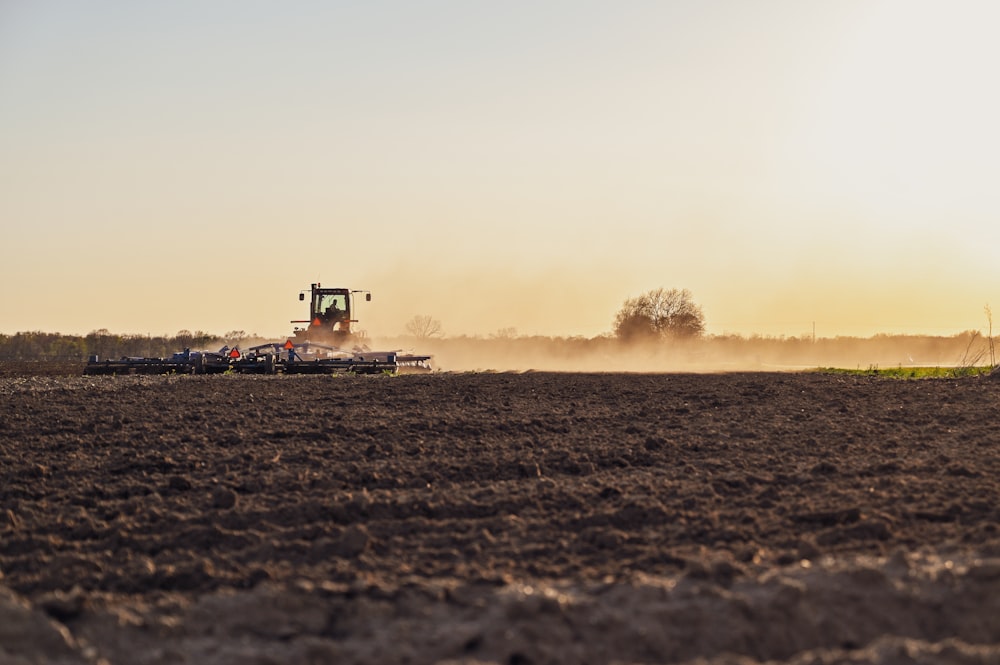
<point x="498" y="518"/>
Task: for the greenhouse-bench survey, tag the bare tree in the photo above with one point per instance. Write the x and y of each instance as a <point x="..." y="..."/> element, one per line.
<point x="660" y="313"/>
<point x="509" y="332"/>
<point x="423" y="326"/>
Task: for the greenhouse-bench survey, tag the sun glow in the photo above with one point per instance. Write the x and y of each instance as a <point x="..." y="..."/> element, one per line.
<point x="498" y="167"/>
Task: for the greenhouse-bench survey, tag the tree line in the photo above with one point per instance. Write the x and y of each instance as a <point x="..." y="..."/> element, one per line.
<point x="101" y="343"/>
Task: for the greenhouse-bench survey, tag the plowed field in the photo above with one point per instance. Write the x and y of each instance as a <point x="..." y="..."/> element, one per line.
<point x="498" y="518"/>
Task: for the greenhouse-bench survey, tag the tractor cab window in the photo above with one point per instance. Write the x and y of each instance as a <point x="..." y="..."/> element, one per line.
<point x="332" y="307"/>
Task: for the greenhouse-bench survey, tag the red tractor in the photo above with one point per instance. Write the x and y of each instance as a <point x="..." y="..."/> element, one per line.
<point x="330" y="317"/>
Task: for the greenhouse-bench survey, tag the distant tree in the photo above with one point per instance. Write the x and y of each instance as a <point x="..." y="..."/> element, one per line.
<point x="509" y="332"/>
<point x="660" y="313"/>
<point x="423" y="326"/>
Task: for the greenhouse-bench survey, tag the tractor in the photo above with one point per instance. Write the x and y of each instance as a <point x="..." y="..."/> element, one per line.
<point x="328" y="345"/>
<point x="330" y="317"/>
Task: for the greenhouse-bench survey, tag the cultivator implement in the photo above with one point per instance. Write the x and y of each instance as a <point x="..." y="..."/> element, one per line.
<point x="307" y="358"/>
<point x="315" y="349"/>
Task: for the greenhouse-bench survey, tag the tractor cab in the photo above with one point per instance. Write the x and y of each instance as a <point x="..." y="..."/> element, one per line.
<point x="331" y="307"/>
<point x="329" y="314"/>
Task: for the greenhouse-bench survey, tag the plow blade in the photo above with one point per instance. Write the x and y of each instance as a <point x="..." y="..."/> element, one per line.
<point x="410" y="364"/>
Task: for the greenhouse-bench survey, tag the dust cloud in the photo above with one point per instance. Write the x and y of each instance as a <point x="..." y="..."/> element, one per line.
<point x="560" y="320"/>
<point x="710" y="354"/>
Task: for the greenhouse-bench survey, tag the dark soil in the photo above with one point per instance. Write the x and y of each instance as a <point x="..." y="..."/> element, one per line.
<point x="440" y="517"/>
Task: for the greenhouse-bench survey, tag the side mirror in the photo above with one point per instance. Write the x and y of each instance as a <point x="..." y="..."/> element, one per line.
<point x="302" y="296"/>
<point x="368" y="297"/>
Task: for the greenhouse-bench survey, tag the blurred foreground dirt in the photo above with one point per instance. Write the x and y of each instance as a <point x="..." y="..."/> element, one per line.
<point x="498" y="518"/>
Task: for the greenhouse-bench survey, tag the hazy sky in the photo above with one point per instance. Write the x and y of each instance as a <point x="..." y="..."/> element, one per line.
<point x="527" y="164"/>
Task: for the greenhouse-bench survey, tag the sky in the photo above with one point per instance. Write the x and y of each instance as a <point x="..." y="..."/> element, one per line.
<point x="798" y="166"/>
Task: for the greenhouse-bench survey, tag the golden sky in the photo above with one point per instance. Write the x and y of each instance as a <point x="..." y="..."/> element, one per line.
<point x="189" y="165"/>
